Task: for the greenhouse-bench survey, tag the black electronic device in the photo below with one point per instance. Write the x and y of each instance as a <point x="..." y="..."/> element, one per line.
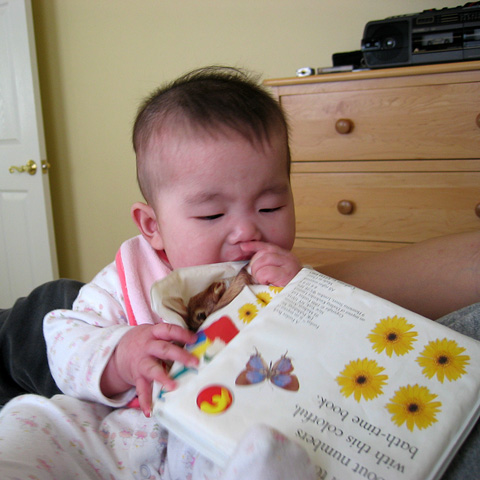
<point x="432" y="36"/>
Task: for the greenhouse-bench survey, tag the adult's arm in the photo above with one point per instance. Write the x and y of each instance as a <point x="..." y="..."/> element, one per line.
<point x="432" y="278"/>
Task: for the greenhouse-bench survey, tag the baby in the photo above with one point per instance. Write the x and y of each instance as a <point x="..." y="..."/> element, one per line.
<point x="214" y="170"/>
<point x="213" y="165"/>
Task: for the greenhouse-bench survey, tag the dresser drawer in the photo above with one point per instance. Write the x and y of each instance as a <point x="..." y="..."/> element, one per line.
<point x="386" y="207"/>
<point x="421" y="122"/>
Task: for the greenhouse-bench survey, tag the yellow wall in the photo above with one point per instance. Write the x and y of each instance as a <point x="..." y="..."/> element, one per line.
<point x="98" y="59"/>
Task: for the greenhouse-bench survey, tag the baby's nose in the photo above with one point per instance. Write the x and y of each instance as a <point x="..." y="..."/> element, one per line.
<point x="245" y="231"/>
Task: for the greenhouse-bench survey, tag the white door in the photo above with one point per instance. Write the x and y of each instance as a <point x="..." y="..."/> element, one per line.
<point x="27" y="247"/>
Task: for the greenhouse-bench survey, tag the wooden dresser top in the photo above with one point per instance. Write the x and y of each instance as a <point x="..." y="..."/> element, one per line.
<point x="376" y="73"/>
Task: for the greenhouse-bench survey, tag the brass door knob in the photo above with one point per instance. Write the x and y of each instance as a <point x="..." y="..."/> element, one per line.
<point x="345" y="207"/>
<point x="344" y="126"/>
<point x="30" y="167"/>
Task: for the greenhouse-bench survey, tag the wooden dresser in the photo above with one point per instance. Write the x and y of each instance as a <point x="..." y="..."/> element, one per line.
<point x="382" y="158"/>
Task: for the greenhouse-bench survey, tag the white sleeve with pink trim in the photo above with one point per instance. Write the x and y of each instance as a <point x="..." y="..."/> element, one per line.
<point x="81" y="341"/>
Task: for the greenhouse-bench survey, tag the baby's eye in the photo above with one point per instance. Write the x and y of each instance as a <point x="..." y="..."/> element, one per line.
<point x="269" y="210"/>
<point x="210" y="217"/>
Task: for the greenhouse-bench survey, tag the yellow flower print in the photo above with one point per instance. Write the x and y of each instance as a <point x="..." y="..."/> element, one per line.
<point x="443" y="358"/>
<point x="275" y="289"/>
<point x="248" y="312"/>
<point x="263" y="299"/>
<point x="414" y="406"/>
<point x="362" y="378"/>
<point x="392" y="335"/>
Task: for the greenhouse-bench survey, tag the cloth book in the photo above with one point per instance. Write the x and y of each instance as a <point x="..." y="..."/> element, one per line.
<point x="368" y="388"/>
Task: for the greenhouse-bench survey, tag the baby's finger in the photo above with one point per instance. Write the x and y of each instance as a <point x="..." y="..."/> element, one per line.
<point x="151" y="369"/>
<point x="275" y="269"/>
<point x="254" y="246"/>
<point x="170" y="352"/>
<point x="265" y="258"/>
<point x="144" y="393"/>
<point x="258" y="247"/>
<point x="175" y="333"/>
<point x="268" y="275"/>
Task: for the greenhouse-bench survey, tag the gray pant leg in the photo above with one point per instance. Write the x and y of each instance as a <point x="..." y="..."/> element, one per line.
<point x="23" y="355"/>
<point x="466" y="464"/>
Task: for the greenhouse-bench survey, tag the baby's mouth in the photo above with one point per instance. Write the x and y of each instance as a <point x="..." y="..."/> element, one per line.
<point x="242" y="258"/>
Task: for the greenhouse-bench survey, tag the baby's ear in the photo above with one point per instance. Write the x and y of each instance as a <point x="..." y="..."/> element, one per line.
<point x="144" y="217"/>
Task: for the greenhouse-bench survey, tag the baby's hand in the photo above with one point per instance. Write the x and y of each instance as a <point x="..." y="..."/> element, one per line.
<point x="142" y="356"/>
<point x="271" y="264"/>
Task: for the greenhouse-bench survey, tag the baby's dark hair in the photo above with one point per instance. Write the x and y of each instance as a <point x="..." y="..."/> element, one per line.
<point x="208" y="99"/>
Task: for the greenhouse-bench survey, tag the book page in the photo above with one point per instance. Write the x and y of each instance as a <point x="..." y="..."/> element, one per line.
<point x="368" y="388"/>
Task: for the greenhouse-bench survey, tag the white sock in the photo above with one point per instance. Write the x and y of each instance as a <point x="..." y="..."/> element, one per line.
<point x="266" y="454"/>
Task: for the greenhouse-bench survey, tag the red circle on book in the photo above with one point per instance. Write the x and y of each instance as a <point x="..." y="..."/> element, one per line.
<point x="214" y="399"/>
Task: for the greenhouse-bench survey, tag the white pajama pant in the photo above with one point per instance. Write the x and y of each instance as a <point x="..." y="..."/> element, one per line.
<point x="64" y="438"/>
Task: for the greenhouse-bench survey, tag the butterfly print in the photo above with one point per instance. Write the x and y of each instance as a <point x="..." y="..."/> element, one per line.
<point x="257" y="370"/>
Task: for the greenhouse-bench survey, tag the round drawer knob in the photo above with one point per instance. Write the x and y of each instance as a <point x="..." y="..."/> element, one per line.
<point x="477" y="120"/>
<point x="344" y="125"/>
<point x="477" y="210"/>
<point x="346" y="207"/>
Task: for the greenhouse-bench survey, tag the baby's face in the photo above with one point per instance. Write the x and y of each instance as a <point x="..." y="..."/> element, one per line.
<point x="218" y="193"/>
